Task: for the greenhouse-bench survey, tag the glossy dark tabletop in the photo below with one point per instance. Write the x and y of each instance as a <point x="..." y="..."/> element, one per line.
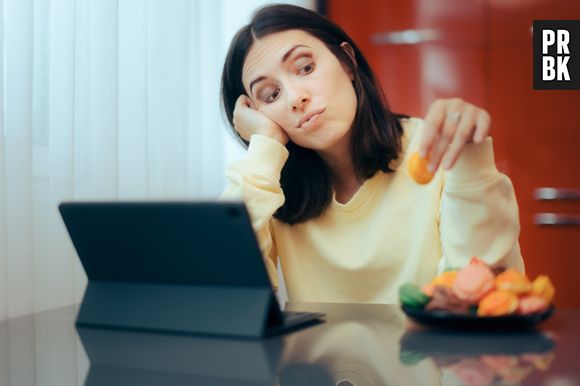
<point x="358" y="345"/>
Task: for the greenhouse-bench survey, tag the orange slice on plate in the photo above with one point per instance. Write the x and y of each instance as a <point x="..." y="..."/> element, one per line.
<point x="498" y="303"/>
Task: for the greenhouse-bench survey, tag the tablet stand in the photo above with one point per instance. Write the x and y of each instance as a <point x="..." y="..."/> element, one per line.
<point x="234" y="311"/>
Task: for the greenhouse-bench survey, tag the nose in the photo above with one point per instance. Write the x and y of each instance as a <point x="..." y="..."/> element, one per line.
<point x="299" y="100"/>
<point x="300" y="103"/>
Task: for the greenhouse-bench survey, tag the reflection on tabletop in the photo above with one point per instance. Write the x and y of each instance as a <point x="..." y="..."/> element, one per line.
<point x="376" y="345"/>
<point x="146" y="359"/>
<point x="484" y="358"/>
<point x="357" y="346"/>
<point x="360" y="344"/>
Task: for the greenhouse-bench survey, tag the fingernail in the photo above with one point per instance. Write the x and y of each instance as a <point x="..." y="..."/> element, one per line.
<point x="446" y="164"/>
<point x="422" y="153"/>
<point x="431" y="168"/>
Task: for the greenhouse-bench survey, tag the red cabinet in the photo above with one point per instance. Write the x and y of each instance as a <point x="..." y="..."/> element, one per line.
<point x="420" y="49"/>
<point x="481" y="50"/>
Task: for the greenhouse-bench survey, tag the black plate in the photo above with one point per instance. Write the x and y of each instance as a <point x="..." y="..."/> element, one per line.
<point x="447" y="320"/>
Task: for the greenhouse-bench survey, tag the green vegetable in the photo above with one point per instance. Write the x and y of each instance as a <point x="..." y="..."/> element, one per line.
<point x="411" y="296"/>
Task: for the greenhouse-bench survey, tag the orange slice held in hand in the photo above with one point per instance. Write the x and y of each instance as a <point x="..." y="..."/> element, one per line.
<point x="418" y="169"/>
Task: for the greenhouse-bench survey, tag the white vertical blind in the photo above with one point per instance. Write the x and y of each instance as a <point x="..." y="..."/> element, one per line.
<point x="103" y="100"/>
<point x="18" y="155"/>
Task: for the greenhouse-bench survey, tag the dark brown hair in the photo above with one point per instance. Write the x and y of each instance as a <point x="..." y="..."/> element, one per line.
<point x="376" y="136"/>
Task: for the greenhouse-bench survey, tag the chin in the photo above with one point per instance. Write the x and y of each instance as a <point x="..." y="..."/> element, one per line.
<point x="323" y="138"/>
<point x="321" y="144"/>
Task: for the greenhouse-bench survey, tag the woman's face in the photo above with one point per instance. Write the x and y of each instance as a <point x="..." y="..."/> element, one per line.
<point x="291" y="76"/>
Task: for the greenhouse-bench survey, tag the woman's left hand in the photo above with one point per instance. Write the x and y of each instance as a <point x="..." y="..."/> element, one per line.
<point x="449" y="125"/>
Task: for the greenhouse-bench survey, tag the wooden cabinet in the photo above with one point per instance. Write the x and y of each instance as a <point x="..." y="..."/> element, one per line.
<point x="481" y="50"/>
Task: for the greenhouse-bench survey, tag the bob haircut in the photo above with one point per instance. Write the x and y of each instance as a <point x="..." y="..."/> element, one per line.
<point x="376" y="135"/>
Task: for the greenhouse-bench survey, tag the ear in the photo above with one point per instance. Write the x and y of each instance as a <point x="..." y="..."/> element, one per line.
<point x="350" y="52"/>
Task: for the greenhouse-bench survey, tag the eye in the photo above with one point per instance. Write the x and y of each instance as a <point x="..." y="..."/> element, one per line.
<point x="307" y="69"/>
<point x="272" y="96"/>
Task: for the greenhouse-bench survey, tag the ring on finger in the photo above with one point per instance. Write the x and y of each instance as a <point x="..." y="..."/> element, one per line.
<point x="453" y="116"/>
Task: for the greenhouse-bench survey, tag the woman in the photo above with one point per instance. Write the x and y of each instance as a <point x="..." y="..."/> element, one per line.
<point x="325" y="178"/>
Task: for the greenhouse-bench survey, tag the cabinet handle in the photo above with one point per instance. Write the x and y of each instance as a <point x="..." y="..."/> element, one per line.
<point x="556" y="194"/>
<point x="403" y="37"/>
<point x="556" y="219"/>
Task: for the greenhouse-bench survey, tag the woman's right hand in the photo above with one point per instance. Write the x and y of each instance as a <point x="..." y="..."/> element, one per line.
<point x="248" y="121"/>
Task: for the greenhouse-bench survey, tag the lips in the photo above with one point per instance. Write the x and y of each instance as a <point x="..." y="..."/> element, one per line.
<point x="309" y="116"/>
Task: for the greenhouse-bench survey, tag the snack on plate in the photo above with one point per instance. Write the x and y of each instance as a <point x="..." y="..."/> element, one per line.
<point x="412" y="296"/>
<point x="443" y="299"/>
<point x="513" y="281"/>
<point x="532" y="304"/>
<point x="473" y="282"/>
<point x="543" y="287"/>
<point x="483" y="290"/>
<point x="498" y="303"/>
<point x="446" y="279"/>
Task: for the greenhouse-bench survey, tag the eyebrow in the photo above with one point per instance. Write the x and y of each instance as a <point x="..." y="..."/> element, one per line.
<point x="284" y="59"/>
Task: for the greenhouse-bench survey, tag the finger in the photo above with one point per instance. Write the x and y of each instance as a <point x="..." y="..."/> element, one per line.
<point x="450" y="124"/>
<point x="439" y="149"/>
<point x="433" y="122"/>
<point x="241" y="103"/>
<point x="463" y="134"/>
<point x="482" y="126"/>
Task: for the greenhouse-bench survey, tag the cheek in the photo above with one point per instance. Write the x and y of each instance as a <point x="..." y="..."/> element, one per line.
<point x="338" y="88"/>
<point x="353" y="103"/>
<point x="345" y="98"/>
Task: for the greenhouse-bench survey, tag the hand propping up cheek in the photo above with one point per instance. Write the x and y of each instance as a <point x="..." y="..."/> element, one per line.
<point x="248" y="121"/>
<point x="449" y="125"/>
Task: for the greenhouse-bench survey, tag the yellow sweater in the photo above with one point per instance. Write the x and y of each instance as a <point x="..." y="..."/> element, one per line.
<point x="391" y="231"/>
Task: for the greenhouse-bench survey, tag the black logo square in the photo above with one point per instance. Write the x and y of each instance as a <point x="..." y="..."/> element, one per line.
<point x="556" y="54"/>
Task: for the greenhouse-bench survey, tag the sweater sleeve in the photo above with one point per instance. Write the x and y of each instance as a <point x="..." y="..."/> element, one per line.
<point x="256" y="180"/>
<point x="478" y="211"/>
